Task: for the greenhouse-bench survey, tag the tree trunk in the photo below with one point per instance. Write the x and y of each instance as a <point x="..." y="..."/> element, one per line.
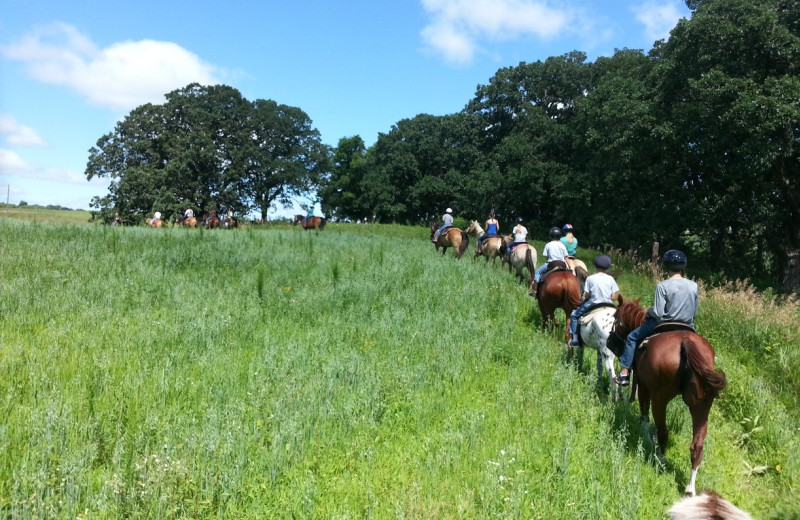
<point x="791" y="271"/>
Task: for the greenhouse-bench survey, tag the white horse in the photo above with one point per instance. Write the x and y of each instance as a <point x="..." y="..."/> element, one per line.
<point x="595" y="327"/>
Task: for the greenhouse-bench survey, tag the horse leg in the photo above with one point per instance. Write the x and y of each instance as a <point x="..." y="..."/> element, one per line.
<point x="699" y="429"/>
<point x="660" y="421"/>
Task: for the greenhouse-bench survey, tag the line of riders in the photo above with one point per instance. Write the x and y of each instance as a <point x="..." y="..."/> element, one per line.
<point x="675" y="302"/>
<point x="188" y="219"/>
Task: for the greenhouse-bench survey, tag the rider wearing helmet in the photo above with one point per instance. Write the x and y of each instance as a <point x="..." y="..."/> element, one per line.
<point x="599" y="288"/>
<point x="569" y="240"/>
<point x="554" y="250"/>
<point x="447" y="220"/>
<point x="676" y="299"/>
<point x="520" y="235"/>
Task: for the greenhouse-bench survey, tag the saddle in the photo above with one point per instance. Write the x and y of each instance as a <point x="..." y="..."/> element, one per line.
<point x="590" y="313"/>
<point x="554" y="267"/>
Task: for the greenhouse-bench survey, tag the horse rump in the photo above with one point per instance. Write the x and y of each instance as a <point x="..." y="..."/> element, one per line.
<point x="706" y="506"/>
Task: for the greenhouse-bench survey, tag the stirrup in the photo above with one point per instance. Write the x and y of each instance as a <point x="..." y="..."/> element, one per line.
<point x="623" y="380"/>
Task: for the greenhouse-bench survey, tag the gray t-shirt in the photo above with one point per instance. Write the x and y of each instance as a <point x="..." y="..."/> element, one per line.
<point x="447" y="219"/>
<point x="676" y="300"/>
<point x="600" y="287"/>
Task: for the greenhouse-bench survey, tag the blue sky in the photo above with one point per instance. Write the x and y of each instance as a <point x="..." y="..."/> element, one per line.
<point x="70" y="70"/>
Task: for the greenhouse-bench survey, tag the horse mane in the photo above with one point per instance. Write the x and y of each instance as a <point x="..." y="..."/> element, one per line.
<point x="632" y="313"/>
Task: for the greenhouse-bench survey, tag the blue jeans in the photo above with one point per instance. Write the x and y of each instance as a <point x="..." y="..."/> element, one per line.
<point x="634" y="338"/>
<point x="573" y="323"/>
<point x="540" y="272"/>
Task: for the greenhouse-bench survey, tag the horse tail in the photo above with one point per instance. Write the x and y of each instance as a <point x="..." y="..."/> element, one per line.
<point x="322" y="224"/>
<point x="582" y="275"/>
<point x="574" y="295"/>
<point x="464" y="242"/>
<point x="700" y="366"/>
<point x="529" y="263"/>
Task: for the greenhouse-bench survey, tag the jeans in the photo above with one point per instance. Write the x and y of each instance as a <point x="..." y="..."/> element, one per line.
<point x="634" y="338"/>
<point x="574" y="320"/>
<point x="540" y="272"/>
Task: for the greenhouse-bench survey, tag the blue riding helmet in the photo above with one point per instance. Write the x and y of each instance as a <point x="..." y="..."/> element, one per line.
<point x="674" y="260"/>
<point x="555" y="233"/>
<point x="567" y="227"/>
<point x="602" y="262"/>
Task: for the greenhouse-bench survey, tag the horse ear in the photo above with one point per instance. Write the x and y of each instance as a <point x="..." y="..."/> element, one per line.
<point x="619" y="300"/>
<point x="637" y="301"/>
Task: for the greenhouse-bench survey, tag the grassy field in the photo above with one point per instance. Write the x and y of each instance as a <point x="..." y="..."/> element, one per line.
<point x="351" y="373"/>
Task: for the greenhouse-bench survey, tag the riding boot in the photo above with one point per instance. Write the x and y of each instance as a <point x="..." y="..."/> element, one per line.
<point x="534" y="289"/>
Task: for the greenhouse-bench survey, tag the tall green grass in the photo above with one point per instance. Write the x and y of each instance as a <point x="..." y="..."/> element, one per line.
<point x="275" y="373"/>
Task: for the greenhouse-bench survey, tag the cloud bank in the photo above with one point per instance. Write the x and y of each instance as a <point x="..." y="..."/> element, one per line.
<point x="17" y="134"/>
<point x="121" y="76"/>
<point x="658" y="18"/>
<point x="457" y="26"/>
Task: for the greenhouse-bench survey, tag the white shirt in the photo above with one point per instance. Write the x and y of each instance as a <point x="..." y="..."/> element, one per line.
<point x="600" y="287"/>
<point x="520" y="233"/>
<point x="555" y="250"/>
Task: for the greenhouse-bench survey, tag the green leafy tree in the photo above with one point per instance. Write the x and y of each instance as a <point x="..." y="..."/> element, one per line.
<point x="343" y="193"/>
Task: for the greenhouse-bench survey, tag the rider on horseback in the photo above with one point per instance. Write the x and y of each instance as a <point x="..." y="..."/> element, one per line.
<point x="492" y="229"/>
<point x="520" y="234"/>
<point x="676" y="299"/>
<point x="600" y="288"/>
<point x="447" y="220"/>
<point x="554" y="250"/>
<point x="569" y="240"/>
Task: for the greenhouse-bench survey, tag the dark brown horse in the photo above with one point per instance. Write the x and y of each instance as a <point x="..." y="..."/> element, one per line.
<point x="450" y="237"/>
<point x="558" y="289"/>
<point x="672" y="363"/>
<point x="317" y="223"/>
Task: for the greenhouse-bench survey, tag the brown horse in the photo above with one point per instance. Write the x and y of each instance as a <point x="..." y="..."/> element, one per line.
<point x="317" y="223"/>
<point x="558" y="289"/>
<point x="187" y="222"/>
<point x="230" y="222"/>
<point x="211" y="220"/>
<point x="492" y="247"/>
<point x="450" y="237"/>
<point x="671" y="363"/>
<point x="154" y="223"/>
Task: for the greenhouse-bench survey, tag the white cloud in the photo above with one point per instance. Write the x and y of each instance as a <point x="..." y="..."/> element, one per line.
<point x="17" y="134"/>
<point x="458" y="26"/>
<point x="121" y="76"/>
<point x="11" y="163"/>
<point x="658" y="18"/>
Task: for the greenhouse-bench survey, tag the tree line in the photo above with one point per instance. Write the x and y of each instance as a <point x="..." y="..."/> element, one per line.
<point x="693" y="144"/>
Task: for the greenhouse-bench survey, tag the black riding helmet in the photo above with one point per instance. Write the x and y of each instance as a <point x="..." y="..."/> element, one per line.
<point x="674" y="260"/>
<point x="555" y="233"/>
<point x="519" y="220"/>
<point x="602" y="262"/>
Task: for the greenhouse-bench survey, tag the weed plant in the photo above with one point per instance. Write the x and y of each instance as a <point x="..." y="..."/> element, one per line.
<point x="277" y="373"/>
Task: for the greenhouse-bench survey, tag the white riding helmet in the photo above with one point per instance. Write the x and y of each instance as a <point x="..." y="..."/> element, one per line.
<point x="448" y="210"/>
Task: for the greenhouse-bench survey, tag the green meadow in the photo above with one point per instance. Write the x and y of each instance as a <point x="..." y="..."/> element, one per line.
<point x="349" y="373"/>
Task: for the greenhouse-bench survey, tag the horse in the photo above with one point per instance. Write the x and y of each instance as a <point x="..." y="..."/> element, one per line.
<point x="558" y="289"/>
<point x="317" y="223"/>
<point x="493" y="246"/>
<point x="595" y="327"/>
<point x="523" y="256"/>
<point x="187" y="222"/>
<point x="211" y="220"/>
<point x="671" y="363"/>
<point x="450" y="237"/>
<point x="230" y="222"/>
<point x="706" y="505"/>
<point x="579" y="269"/>
<point x="154" y="223"/>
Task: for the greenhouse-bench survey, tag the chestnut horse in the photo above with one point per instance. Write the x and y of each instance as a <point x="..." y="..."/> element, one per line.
<point x="154" y="223"/>
<point x="671" y="363"/>
<point x="317" y="223"/>
<point x="450" y="237"/>
<point x="187" y="222"/>
<point x="493" y="246"/>
<point x="558" y="289"/>
<point x="211" y="220"/>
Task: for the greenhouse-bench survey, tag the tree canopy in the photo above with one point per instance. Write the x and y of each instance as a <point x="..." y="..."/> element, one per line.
<point x="208" y="147"/>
